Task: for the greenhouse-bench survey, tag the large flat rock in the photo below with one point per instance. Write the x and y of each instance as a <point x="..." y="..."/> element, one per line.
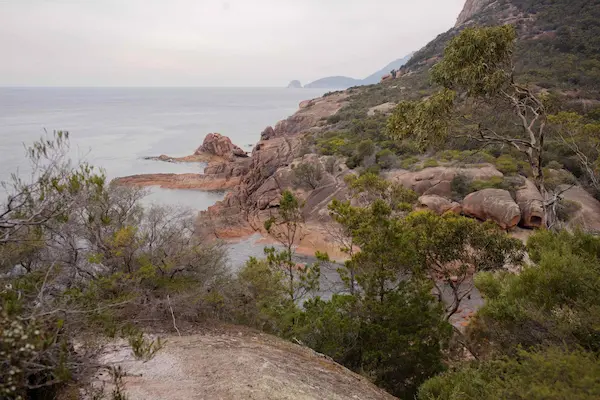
<point x="237" y="364"/>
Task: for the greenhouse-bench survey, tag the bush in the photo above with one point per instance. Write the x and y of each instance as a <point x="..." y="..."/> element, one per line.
<point x="334" y="119"/>
<point x="308" y="174"/>
<point x="373" y="169"/>
<point x="553" y="301"/>
<point x="261" y="298"/>
<point x="507" y="164"/>
<point x="365" y="149"/>
<point x="331" y="146"/>
<point x="552" y="373"/>
<point x="461" y="186"/>
<point x="554" y="165"/>
<point x="408" y="162"/>
<point x="555" y="178"/>
<point x="430" y="163"/>
<point x="397" y="341"/>
<point x="386" y="159"/>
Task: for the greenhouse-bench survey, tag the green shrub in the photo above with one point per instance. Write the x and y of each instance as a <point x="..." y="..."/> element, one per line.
<point x="352" y="162"/>
<point x="555" y="178"/>
<point x="553" y="301"/>
<point x="397" y="341"/>
<point x="495" y="182"/>
<point x="308" y="174"/>
<point x="331" y="146"/>
<point x="334" y="119"/>
<point x="144" y="349"/>
<point x="373" y="169"/>
<point x="461" y="186"/>
<point x="408" y="162"/>
<point x="386" y="159"/>
<point x="554" y="165"/>
<point x="430" y="163"/>
<point x="552" y="373"/>
<point x="507" y="164"/>
<point x="365" y="149"/>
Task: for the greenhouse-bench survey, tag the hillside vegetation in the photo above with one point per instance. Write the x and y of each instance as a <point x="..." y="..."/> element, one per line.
<point x="82" y="260"/>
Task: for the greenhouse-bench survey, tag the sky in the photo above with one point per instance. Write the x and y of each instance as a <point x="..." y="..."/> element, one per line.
<point x="209" y="42"/>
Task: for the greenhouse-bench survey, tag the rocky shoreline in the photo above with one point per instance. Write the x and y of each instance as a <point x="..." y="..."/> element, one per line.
<point x="255" y="182"/>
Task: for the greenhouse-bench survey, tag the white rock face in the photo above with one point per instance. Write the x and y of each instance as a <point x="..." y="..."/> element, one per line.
<point x="471" y="8"/>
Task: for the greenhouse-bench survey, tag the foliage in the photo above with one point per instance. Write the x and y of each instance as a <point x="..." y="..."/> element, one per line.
<point x="582" y="138"/>
<point x="365" y="149"/>
<point x="477" y="63"/>
<point x="81" y="256"/>
<point x="144" y="349"/>
<point x="477" y="60"/>
<point x="35" y="353"/>
<point x="553" y="373"/>
<point x="451" y="248"/>
<point x="308" y="174"/>
<point x="397" y="341"/>
<point x="263" y="299"/>
<point x="552" y="302"/>
<point x="462" y="186"/>
<point x="386" y="159"/>
<point x="507" y="164"/>
<point x="369" y="187"/>
<point x="426" y="122"/>
<point x="567" y="209"/>
<point x="287" y="228"/>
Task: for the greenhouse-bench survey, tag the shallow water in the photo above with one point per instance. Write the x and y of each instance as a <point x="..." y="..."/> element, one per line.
<point x="114" y="128"/>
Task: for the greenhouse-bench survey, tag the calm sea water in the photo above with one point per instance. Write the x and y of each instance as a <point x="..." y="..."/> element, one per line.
<point x="114" y="128"/>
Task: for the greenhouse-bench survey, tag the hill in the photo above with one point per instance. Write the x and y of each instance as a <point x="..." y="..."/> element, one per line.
<point x="394" y="65"/>
<point x="334" y="82"/>
<point x="344" y="82"/>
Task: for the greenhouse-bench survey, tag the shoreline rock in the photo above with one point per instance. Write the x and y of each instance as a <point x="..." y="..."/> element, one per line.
<point x="180" y="181"/>
<point x="227" y="163"/>
<point x="220" y="146"/>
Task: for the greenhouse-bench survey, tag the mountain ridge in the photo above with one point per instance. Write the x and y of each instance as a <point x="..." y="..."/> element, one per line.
<point x="344" y="82"/>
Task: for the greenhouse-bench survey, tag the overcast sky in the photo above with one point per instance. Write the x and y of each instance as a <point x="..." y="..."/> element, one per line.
<point x="209" y="42"/>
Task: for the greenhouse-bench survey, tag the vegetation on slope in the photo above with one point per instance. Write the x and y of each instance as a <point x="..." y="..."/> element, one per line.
<point x="80" y="258"/>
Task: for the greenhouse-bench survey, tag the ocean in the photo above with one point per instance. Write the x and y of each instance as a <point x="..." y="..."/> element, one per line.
<point x="115" y="128"/>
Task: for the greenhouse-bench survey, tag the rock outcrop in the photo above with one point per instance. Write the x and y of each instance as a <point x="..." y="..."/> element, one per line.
<point x="588" y="216"/>
<point x="439" y="205"/>
<point x="227" y="163"/>
<point x="471" y="8"/>
<point x="221" y="146"/>
<point x="295" y="84"/>
<point x="269" y="172"/>
<point x="384" y="108"/>
<point x="231" y="364"/>
<point x="438" y="180"/>
<point x="493" y="204"/>
<point x="531" y="203"/>
<point x="180" y="181"/>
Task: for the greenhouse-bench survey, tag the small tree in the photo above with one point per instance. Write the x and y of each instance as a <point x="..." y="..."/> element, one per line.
<point x="479" y="64"/>
<point x="308" y="174"/>
<point x="583" y="139"/>
<point x="451" y="249"/>
<point x="287" y="227"/>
